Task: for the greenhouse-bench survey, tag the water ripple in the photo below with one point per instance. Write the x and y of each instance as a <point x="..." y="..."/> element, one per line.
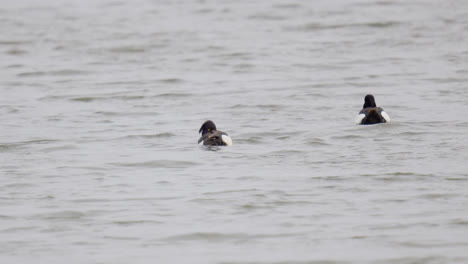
<point x="159" y="164"/>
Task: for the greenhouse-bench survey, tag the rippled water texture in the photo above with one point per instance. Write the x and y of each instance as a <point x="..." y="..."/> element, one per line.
<point x="101" y="102"/>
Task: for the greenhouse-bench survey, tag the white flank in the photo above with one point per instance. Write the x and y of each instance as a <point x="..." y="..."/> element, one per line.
<point x="359" y="118"/>
<point x="201" y="142"/>
<point x="227" y="140"/>
<point x="385" y="116"/>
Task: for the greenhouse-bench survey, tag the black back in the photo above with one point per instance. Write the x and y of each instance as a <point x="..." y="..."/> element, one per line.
<point x="213" y="139"/>
<point x="373" y="116"/>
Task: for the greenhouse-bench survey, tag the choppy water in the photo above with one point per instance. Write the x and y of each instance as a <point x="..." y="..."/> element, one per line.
<point x="100" y="107"/>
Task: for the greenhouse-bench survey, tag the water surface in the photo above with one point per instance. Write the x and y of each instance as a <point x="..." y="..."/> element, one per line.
<point x="101" y="102"/>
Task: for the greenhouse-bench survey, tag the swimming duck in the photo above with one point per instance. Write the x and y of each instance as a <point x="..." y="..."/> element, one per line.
<point x="370" y="113"/>
<point x="212" y="137"/>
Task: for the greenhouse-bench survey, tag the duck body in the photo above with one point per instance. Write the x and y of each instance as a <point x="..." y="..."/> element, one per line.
<point x="210" y="136"/>
<point x="370" y="113"/>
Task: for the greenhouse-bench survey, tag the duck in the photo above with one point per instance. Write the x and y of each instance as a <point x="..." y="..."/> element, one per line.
<point x="370" y="113"/>
<point x="210" y="136"/>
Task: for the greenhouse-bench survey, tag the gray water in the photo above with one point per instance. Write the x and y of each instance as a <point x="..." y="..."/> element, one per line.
<point x="101" y="102"/>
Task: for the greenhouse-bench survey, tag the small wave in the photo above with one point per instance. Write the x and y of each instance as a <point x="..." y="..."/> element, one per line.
<point x="285" y="154"/>
<point x="243" y="67"/>
<point x="62" y="215"/>
<point x="272" y="107"/>
<point x="332" y="179"/>
<point x="287" y="6"/>
<point x="65" y="72"/>
<point x="429" y="244"/>
<point x="238" y="106"/>
<point x="128" y="49"/>
<point x="19" y="185"/>
<point x="316" y="142"/>
<point x="250" y="140"/>
<point x="15" y="65"/>
<point x="462" y="222"/>
<point x="209" y="236"/>
<point x="88" y="99"/>
<point x="121" y="82"/>
<point x="6" y="217"/>
<point x="16" y="51"/>
<point x="15" y="42"/>
<point x="256" y="206"/>
<point x="231" y="191"/>
<point x="237" y="55"/>
<point x="220" y="237"/>
<point x="381" y="3"/>
<point x="122" y="238"/>
<point x="31" y="74"/>
<point x="136" y="222"/>
<point x="296" y="202"/>
<point x="454" y="178"/>
<point x="60" y="148"/>
<point x="171" y="80"/>
<point x="295" y="261"/>
<point x="380" y="24"/>
<point x="204" y="10"/>
<point x="402" y="174"/>
<point x="266" y="16"/>
<point x="90" y="200"/>
<point x="84" y="99"/>
<point x="174" y="95"/>
<point x="437" y="196"/>
<point x="108" y="113"/>
<point x="160" y="135"/>
<point x="318" y="26"/>
<point x="463" y="124"/>
<point x="159" y="164"/>
<point x="346" y="137"/>
<point x="18" y="229"/>
<point x="16" y="145"/>
<point x="8" y="147"/>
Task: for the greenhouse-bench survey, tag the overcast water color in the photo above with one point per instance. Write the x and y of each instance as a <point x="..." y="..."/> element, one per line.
<point x="101" y="102"/>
